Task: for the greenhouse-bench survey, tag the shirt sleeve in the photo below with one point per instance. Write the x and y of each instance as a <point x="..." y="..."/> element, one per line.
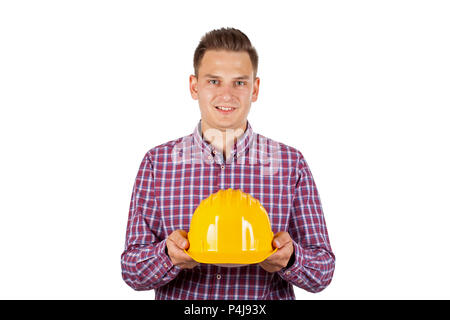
<point x="313" y="266"/>
<point x="145" y="264"/>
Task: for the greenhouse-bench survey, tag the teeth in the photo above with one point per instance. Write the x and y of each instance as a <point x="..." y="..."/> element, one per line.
<point x="224" y="108"/>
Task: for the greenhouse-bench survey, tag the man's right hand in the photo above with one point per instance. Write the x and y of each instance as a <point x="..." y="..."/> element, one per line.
<point x="176" y="242"/>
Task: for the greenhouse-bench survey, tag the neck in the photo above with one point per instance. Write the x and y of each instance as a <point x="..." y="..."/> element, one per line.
<point x="222" y="139"/>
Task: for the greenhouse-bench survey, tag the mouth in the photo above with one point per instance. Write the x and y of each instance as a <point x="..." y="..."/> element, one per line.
<point x="225" y="109"/>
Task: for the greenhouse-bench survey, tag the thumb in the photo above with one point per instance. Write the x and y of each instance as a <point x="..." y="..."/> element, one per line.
<point x="281" y="239"/>
<point x="180" y="239"/>
<point x="276" y="243"/>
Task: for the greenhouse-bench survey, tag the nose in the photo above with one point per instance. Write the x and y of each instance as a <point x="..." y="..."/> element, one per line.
<point x="226" y="93"/>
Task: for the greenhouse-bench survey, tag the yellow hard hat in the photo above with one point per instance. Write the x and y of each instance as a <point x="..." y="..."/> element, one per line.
<point x="230" y="227"/>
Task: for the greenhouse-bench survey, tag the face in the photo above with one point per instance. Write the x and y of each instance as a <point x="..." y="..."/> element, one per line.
<point x="225" y="79"/>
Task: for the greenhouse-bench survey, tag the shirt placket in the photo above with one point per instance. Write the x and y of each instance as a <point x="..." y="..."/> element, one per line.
<point x="224" y="168"/>
<point x="216" y="159"/>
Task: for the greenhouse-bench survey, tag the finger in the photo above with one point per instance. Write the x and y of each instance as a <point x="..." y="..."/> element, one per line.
<point x="277" y="260"/>
<point x="268" y="266"/>
<point x="189" y="265"/>
<point x="175" y="250"/>
<point x="179" y="237"/>
<point x="194" y="263"/>
<point x="178" y="256"/>
<point x="273" y="257"/>
<point x="281" y="239"/>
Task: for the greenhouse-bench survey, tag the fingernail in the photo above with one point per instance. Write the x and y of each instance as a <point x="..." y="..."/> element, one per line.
<point x="277" y="244"/>
<point x="184" y="244"/>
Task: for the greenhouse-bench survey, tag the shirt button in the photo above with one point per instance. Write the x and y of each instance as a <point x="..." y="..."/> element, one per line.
<point x="288" y="273"/>
<point x="165" y="265"/>
<point x="209" y="157"/>
<point x="222" y="166"/>
<point x="218" y="277"/>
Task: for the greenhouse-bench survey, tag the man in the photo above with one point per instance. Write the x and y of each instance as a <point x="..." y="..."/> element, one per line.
<point x="223" y="152"/>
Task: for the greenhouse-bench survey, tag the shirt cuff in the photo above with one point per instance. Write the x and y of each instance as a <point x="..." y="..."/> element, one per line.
<point x="292" y="272"/>
<point x="162" y="268"/>
<point x="167" y="267"/>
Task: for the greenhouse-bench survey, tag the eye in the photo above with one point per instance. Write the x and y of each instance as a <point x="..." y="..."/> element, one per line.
<point x="240" y="83"/>
<point x="217" y="81"/>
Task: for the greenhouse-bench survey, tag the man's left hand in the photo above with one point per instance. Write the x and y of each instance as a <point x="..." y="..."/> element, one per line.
<point x="282" y="240"/>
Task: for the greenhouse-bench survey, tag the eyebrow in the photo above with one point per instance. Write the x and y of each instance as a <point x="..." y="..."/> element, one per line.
<point x="208" y="75"/>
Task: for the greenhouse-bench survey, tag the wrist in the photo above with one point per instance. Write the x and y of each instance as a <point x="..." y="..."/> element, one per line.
<point x="291" y="260"/>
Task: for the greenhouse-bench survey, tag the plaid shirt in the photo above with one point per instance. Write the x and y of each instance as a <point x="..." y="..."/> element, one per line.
<point x="176" y="176"/>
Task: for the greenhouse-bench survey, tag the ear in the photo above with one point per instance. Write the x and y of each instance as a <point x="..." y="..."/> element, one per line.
<point x="255" y="89"/>
<point x="193" y="86"/>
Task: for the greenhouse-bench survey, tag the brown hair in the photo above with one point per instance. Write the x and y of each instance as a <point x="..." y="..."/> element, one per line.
<point x="225" y="39"/>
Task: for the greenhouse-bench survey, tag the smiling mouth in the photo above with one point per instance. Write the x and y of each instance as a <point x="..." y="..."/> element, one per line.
<point x="225" y="109"/>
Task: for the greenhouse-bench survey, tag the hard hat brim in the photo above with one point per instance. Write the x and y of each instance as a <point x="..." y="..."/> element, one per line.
<point x="231" y="258"/>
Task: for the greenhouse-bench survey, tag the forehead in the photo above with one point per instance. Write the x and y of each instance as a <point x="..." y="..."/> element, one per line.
<point x="226" y="62"/>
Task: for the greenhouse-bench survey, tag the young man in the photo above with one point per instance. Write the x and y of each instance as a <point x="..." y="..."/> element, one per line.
<point x="223" y="152"/>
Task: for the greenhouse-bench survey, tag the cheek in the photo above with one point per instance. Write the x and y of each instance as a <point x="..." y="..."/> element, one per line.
<point x="244" y="101"/>
<point x="205" y="100"/>
<point x="205" y="96"/>
<point x="245" y="94"/>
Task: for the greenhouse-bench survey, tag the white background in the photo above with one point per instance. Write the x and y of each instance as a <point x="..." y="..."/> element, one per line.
<point x="361" y="88"/>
